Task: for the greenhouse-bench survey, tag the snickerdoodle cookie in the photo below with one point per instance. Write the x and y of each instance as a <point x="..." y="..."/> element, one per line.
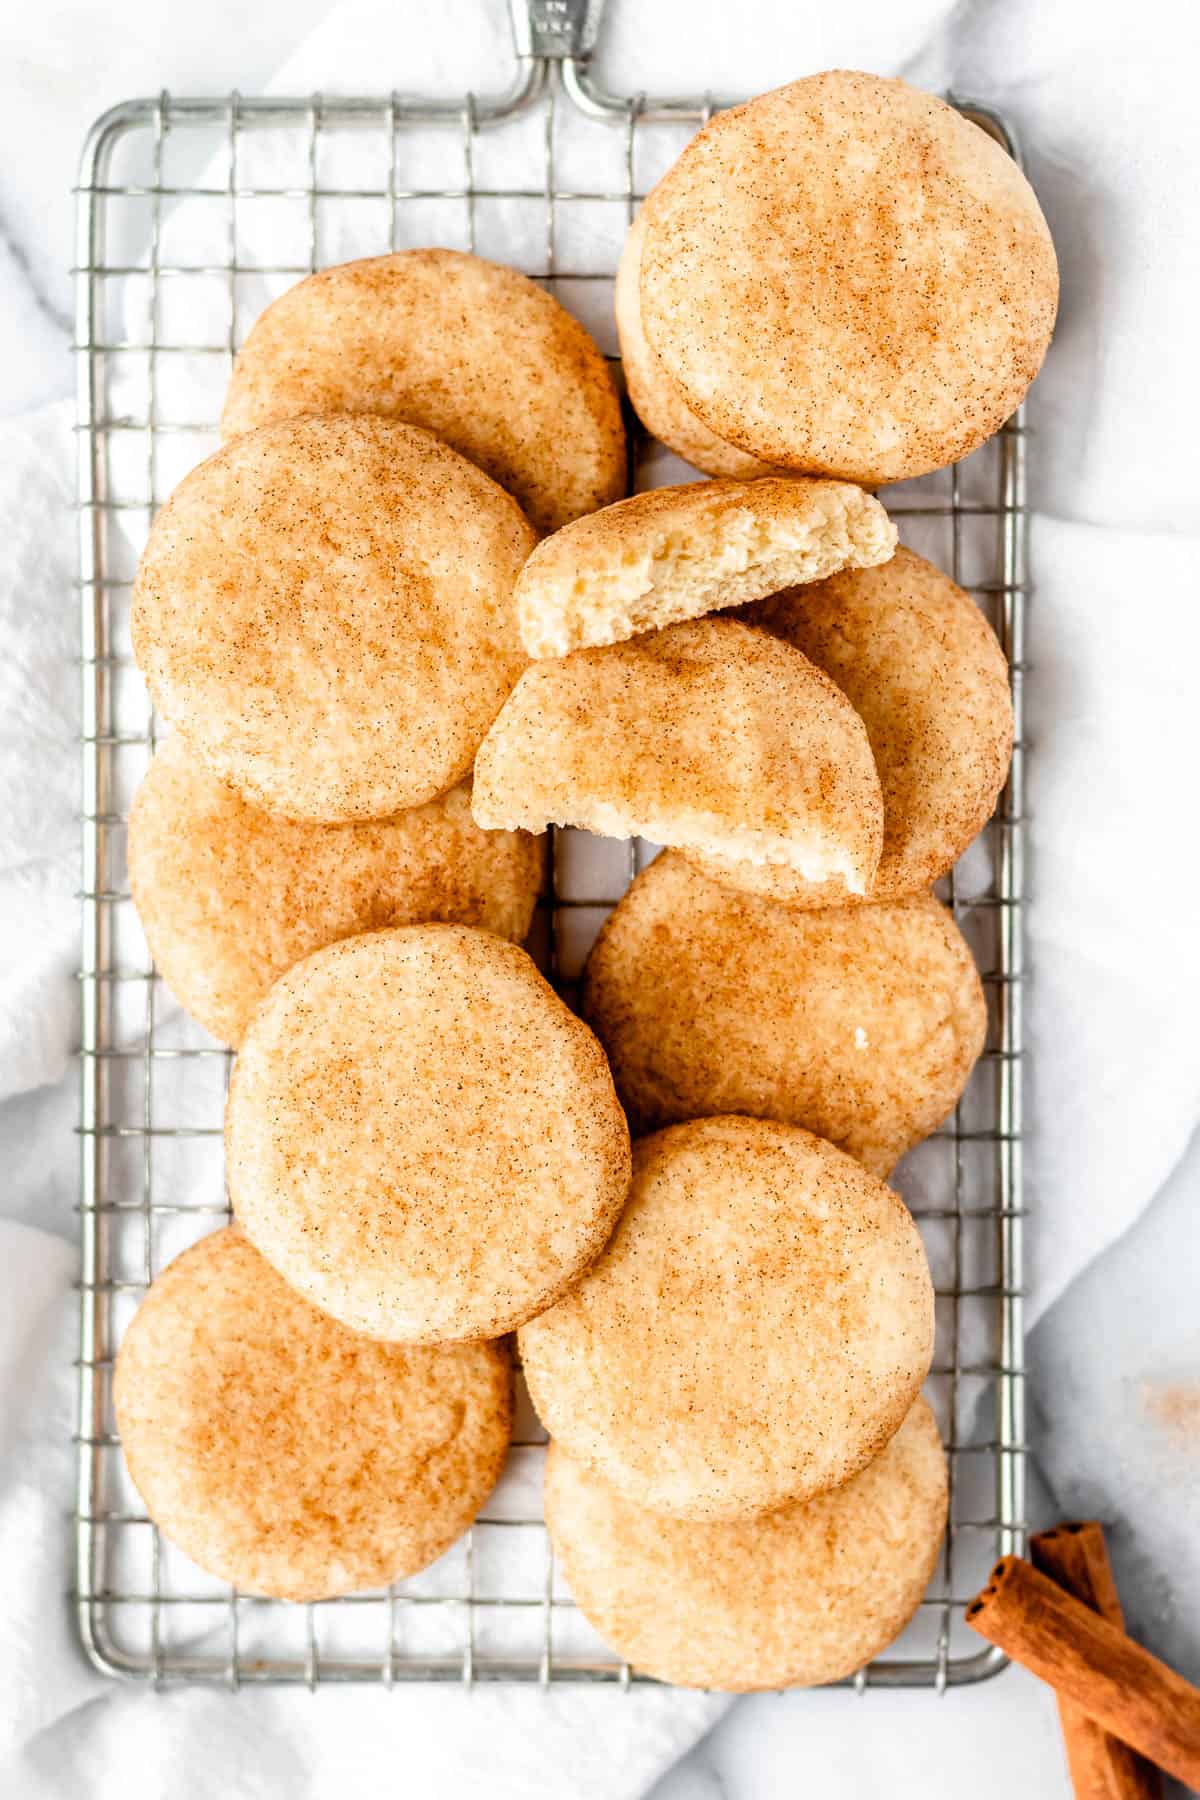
<point x="422" y="1137"/>
<point x="230" y="896"/>
<point x="324" y="610"/>
<point x="861" y="1023"/>
<point x="473" y="351"/>
<point x="288" y="1455"/>
<point x="677" y="552"/>
<point x="711" y="735"/>
<point x="755" y="1331"/>
<point x="846" y="276"/>
<point x="807" y="1594"/>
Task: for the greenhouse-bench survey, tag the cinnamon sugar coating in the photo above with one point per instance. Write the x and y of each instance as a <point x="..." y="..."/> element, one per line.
<point x="292" y="1457"/>
<point x="230" y="896"/>
<point x="324" y="611"/>
<point x="845" y="276"/>
<point x="755" y="1331"/>
<point x="421" y="1137"/>
<point x="804" y="1595"/>
<point x="922" y="667"/>
<point x="861" y="1023"/>
<point x="476" y="353"/>
<point x="654" y="396"/>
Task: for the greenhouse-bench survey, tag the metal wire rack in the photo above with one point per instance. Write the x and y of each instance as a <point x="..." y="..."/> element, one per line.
<point x="192" y="215"/>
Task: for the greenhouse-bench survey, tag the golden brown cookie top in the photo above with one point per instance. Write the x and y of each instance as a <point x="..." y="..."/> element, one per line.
<point x="288" y="1455"/>
<point x="230" y="896"/>
<point x="422" y="1137"/>
<point x="845" y="276"/>
<point x="324" y="611"/>
<point x="472" y="351"/>
<point x="655" y="398"/>
<point x="754" y="1332"/>
<point x="803" y="1595"/>
<point x="861" y="1023"/>
<point x="921" y="666"/>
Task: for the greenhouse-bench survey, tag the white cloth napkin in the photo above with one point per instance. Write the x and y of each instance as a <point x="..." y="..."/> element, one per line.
<point x="1112" y="142"/>
<point x="39" y="690"/>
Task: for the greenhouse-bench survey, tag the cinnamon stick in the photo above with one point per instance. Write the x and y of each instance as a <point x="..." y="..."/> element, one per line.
<point x="1132" y="1694"/>
<point x="1101" y="1767"/>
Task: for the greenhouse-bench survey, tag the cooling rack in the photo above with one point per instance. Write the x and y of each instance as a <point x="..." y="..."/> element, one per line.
<point x="192" y="215"/>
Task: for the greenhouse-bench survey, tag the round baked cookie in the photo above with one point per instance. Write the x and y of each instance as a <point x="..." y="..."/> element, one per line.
<point x="654" y="397"/>
<point x="472" y="351"/>
<point x="861" y="1023"/>
<point x="677" y="552"/>
<point x="230" y="897"/>
<point x="755" y="1331"/>
<point x="324" y="611"/>
<point x="804" y="1595"/>
<point x="846" y="276"/>
<point x="923" y="670"/>
<point x="710" y="734"/>
<point x="292" y="1457"/>
<point x="421" y="1137"/>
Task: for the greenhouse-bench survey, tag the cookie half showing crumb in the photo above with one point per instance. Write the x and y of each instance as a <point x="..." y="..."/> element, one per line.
<point x="421" y="1136"/>
<point x="710" y="735"/>
<point x="324" y="610"/>
<point x="290" y="1456"/>
<point x="656" y="400"/>
<point x="755" y="1331"/>
<point x="847" y="277"/>
<point x="923" y="669"/>
<point x="804" y="1595"/>
<point x="230" y="896"/>
<point x="472" y="351"/>
<point x="861" y="1023"/>
<point x="679" y="552"/>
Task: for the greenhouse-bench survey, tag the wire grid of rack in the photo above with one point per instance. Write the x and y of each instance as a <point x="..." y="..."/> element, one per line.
<point x="180" y="195"/>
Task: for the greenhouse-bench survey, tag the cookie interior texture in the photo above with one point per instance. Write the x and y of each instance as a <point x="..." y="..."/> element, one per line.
<point x="678" y="552"/>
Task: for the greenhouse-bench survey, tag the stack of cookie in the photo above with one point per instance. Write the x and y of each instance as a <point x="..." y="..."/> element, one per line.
<point x="401" y="623"/>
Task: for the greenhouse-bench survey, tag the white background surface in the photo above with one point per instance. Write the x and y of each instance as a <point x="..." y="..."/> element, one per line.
<point x="1105" y="104"/>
